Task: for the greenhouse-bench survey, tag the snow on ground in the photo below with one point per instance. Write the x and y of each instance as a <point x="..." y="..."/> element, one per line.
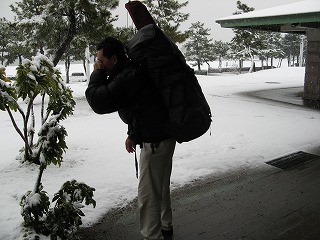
<point x="246" y="132"/>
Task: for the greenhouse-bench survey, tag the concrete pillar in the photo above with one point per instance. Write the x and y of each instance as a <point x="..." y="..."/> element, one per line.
<point x="312" y="75"/>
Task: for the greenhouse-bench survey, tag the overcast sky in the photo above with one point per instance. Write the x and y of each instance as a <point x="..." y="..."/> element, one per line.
<point x="205" y="11"/>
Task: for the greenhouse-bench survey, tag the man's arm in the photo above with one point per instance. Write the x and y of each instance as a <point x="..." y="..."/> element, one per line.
<point x="105" y="97"/>
<point x="98" y="94"/>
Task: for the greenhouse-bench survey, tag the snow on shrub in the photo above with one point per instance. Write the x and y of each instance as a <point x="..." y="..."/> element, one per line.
<point x="38" y="78"/>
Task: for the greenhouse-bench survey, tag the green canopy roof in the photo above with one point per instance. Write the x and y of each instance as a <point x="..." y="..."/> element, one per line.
<point x="297" y="17"/>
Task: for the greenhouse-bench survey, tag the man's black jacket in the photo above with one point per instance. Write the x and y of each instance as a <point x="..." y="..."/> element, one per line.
<point x="129" y="91"/>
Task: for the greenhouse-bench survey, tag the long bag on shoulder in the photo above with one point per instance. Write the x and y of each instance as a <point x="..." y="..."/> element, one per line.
<point x="189" y="112"/>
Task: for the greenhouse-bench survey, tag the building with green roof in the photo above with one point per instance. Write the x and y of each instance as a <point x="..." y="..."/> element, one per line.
<point x="301" y="18"/>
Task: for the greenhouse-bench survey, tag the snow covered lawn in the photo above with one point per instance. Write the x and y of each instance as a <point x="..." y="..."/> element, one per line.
<point x="245" y="132"/>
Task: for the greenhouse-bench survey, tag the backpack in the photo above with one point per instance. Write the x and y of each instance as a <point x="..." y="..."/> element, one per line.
<point x="188" y="111"/>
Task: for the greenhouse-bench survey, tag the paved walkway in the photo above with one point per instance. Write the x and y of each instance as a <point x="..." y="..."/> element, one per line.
<point x="264" y="202"/>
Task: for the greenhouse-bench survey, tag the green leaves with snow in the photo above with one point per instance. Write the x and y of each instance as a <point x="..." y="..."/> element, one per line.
<point x="7" y="93"/>
<point x="52" y="142"/>
<point x="75" y="192"/>
<point x="61" y="221"/>
<point x="35" y="206"/>
<point x="37" y="77"/>
<point x="61" y="102"/>
<point x="66" y="215"/>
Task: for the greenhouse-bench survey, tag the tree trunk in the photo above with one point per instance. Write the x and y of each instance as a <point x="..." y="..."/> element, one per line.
<point x="293" y="60"/>
<point x="280" y="63"/>
<point x="37" y="186"/>
<point x="20" y="59"/>
<point x="37" y="190"/>
<point x="252" y="61"/>
<point x="220" y="62"/>
<point x="67" y="65"/>
<point x="252" y="65"/>
<point x="199" y="66"/>
<point x="71" y="33"/>
<point x="32" y="127"/>
<point x="84" y="66"/>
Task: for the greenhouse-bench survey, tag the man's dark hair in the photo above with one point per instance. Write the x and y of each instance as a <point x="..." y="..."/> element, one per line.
<point x="112" y="46"/>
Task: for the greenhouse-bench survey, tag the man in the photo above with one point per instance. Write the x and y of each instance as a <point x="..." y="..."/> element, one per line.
<point x="117" y="84"/>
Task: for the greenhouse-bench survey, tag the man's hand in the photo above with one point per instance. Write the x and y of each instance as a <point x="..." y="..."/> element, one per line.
<point x="130" y="145"/>
<point x="98" y="65"/>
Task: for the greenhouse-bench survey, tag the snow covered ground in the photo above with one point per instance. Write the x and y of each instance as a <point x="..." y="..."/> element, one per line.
<point x="245" y="132"/>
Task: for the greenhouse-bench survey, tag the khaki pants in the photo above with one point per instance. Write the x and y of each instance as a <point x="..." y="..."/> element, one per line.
<point x="154" y="188"/>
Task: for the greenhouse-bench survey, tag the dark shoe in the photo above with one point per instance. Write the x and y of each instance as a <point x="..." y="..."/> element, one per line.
<point x="166" y="233"/>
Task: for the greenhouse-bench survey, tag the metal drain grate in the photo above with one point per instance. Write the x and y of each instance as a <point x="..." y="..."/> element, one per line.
<point x="292" y="160"/>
